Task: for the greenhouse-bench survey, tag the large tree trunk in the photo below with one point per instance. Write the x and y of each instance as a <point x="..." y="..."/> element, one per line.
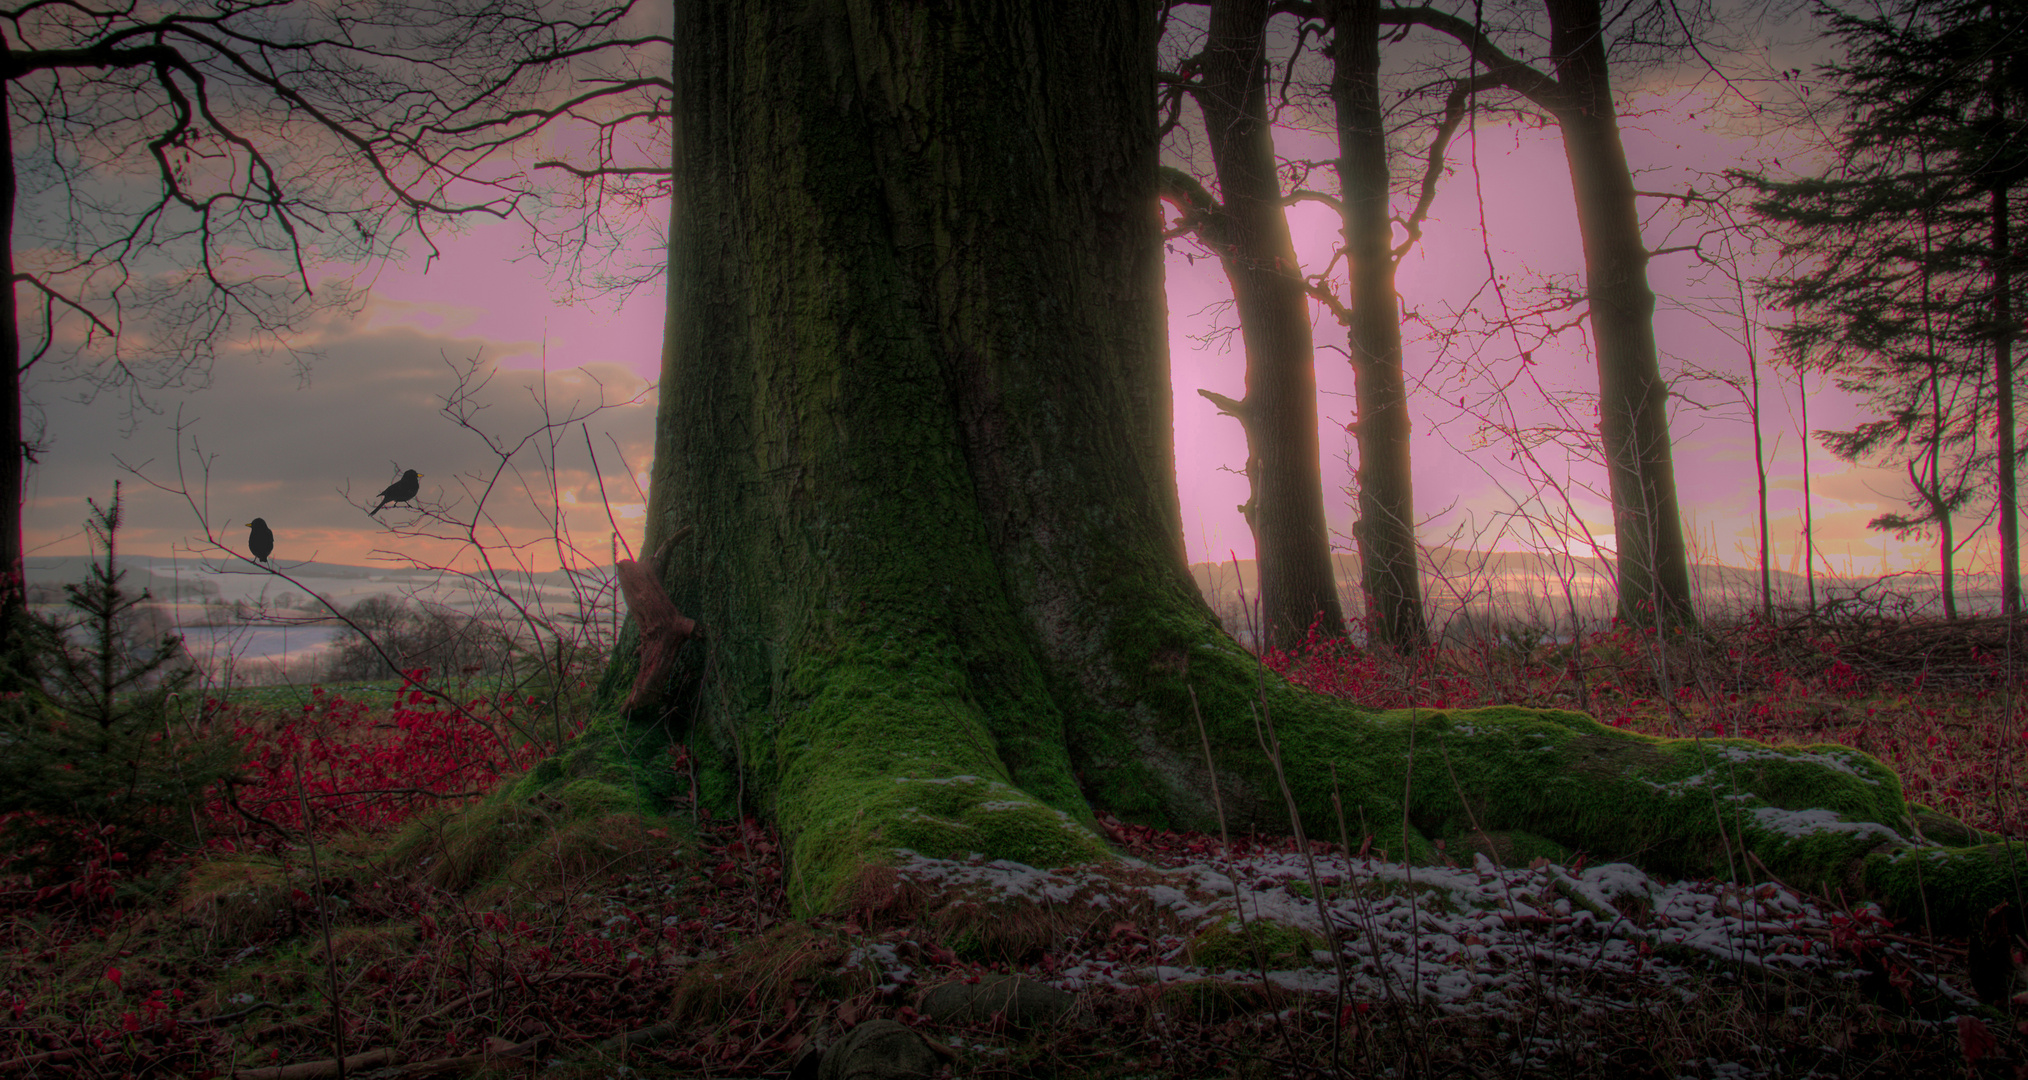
<point x="913" y="403"/>
<point x="1386" y="529"/>
<point x="1298" y="587"/>
<point x="1633" y="399"/>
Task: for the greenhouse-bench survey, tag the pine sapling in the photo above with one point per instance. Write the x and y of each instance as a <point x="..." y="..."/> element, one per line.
<point x="88" y="758"/>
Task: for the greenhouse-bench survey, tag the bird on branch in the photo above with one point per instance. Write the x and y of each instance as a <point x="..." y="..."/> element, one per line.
<point x="401" y="490"/>
<point x="261" y="541"/>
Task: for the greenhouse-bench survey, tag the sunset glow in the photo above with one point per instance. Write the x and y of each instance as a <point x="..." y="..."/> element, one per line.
<point x="373" y="398"/>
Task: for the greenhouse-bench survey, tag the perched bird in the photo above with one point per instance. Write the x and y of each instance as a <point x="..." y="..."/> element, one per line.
<point x="401" y="490"/>
<point x="261" y="541"/>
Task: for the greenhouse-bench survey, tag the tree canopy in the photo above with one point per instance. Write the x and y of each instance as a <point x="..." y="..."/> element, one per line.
<point x="173" y="178"/>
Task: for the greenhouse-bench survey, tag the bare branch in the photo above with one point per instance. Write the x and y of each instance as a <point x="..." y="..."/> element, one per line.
<point x="1304" y="195"/>
<point x="606" y="170"/>
<point x="1502" y="69"/>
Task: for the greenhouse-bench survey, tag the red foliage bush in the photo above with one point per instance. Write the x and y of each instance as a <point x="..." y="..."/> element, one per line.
<point x="372" y="769"/>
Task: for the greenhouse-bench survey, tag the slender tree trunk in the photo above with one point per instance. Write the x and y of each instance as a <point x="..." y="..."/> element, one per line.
<point x="1933" y="488"/>
<point x="13" y="448"/>
<point x="1945" y="556"/>
<point x="1940" y="503"/>
<point x="1759" y="461"/>
<point x="2003" y="403"/>
<point x="2004" y="332"/>
<point x="1809" y="518"/>
<point x="1746" y="329"/>
<point x="1298" y="586"/>
<point x="1386" y="528"/>
<point x="1654" y="569"/>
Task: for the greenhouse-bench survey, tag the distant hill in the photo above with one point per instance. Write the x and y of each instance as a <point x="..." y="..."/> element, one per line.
<point x="193" y="579"/>
<point x="1464" y="588"/>
<point x="47" y="576"/>
<point x="1461" y="564"/>
<point x="1461" y="587"/>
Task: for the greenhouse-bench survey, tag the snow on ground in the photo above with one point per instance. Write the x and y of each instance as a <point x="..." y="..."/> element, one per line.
<point x="1479" y="940"/>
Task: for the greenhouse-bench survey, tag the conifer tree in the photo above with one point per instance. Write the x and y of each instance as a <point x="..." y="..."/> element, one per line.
<point x="1910" y="295"/>
<point x="94" y="742"/>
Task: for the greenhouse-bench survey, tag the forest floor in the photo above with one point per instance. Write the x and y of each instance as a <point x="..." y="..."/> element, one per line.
<point x="631" y="946"/>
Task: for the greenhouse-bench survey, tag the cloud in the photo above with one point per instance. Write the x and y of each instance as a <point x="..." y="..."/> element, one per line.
<point x="263" y="441"/>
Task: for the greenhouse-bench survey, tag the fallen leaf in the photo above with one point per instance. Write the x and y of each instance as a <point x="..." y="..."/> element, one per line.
<point x="1974" y="1040"/>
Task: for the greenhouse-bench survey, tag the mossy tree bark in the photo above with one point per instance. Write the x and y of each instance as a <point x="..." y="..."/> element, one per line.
<point x="914" y="404"/>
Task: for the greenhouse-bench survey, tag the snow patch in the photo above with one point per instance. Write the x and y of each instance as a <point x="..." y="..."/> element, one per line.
<point x="1475" y="940"/>
<point x="1804" y="823"/>
<point x="895" y="973"/>
<point x="1840" y="760"/>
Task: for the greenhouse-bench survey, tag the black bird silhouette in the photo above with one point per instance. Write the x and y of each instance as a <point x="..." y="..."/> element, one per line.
<point x="261" y="541"/>
<point x="401" y="490"/>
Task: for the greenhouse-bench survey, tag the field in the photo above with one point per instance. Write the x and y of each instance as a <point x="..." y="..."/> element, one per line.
<point x="346" y="904"/>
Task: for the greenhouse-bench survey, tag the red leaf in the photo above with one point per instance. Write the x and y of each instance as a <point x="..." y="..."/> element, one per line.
<point x="1974" y="1040"/>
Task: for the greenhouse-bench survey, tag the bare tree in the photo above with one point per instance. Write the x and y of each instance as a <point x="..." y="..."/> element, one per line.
<point x="1905" y="290"/>
<point x="1386" y="529"/>
<point x="176" y="178"/>
<point x="1654" y="571"/>
<point x="1730" y="252"/>
<point x="1251" y="240"/>
<point x="535" y="630"/>
<point x="1249" y="230"/>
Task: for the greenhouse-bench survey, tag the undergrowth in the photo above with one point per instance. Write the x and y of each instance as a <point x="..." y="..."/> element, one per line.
<point x="1942" y="703"/>
<point x="665" y="944"/>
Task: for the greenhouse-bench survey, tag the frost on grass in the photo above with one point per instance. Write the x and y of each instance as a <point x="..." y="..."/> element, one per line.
<point x="1474" y="941"/>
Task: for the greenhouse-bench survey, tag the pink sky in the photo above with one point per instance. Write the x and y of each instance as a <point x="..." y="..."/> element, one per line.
<point x="1465" y="486"/>
<point x="379" y="388"/>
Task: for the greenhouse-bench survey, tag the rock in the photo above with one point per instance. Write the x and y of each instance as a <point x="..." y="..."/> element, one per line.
<point x="1024" y="1002"/>
<point x="878" y="1050"/>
